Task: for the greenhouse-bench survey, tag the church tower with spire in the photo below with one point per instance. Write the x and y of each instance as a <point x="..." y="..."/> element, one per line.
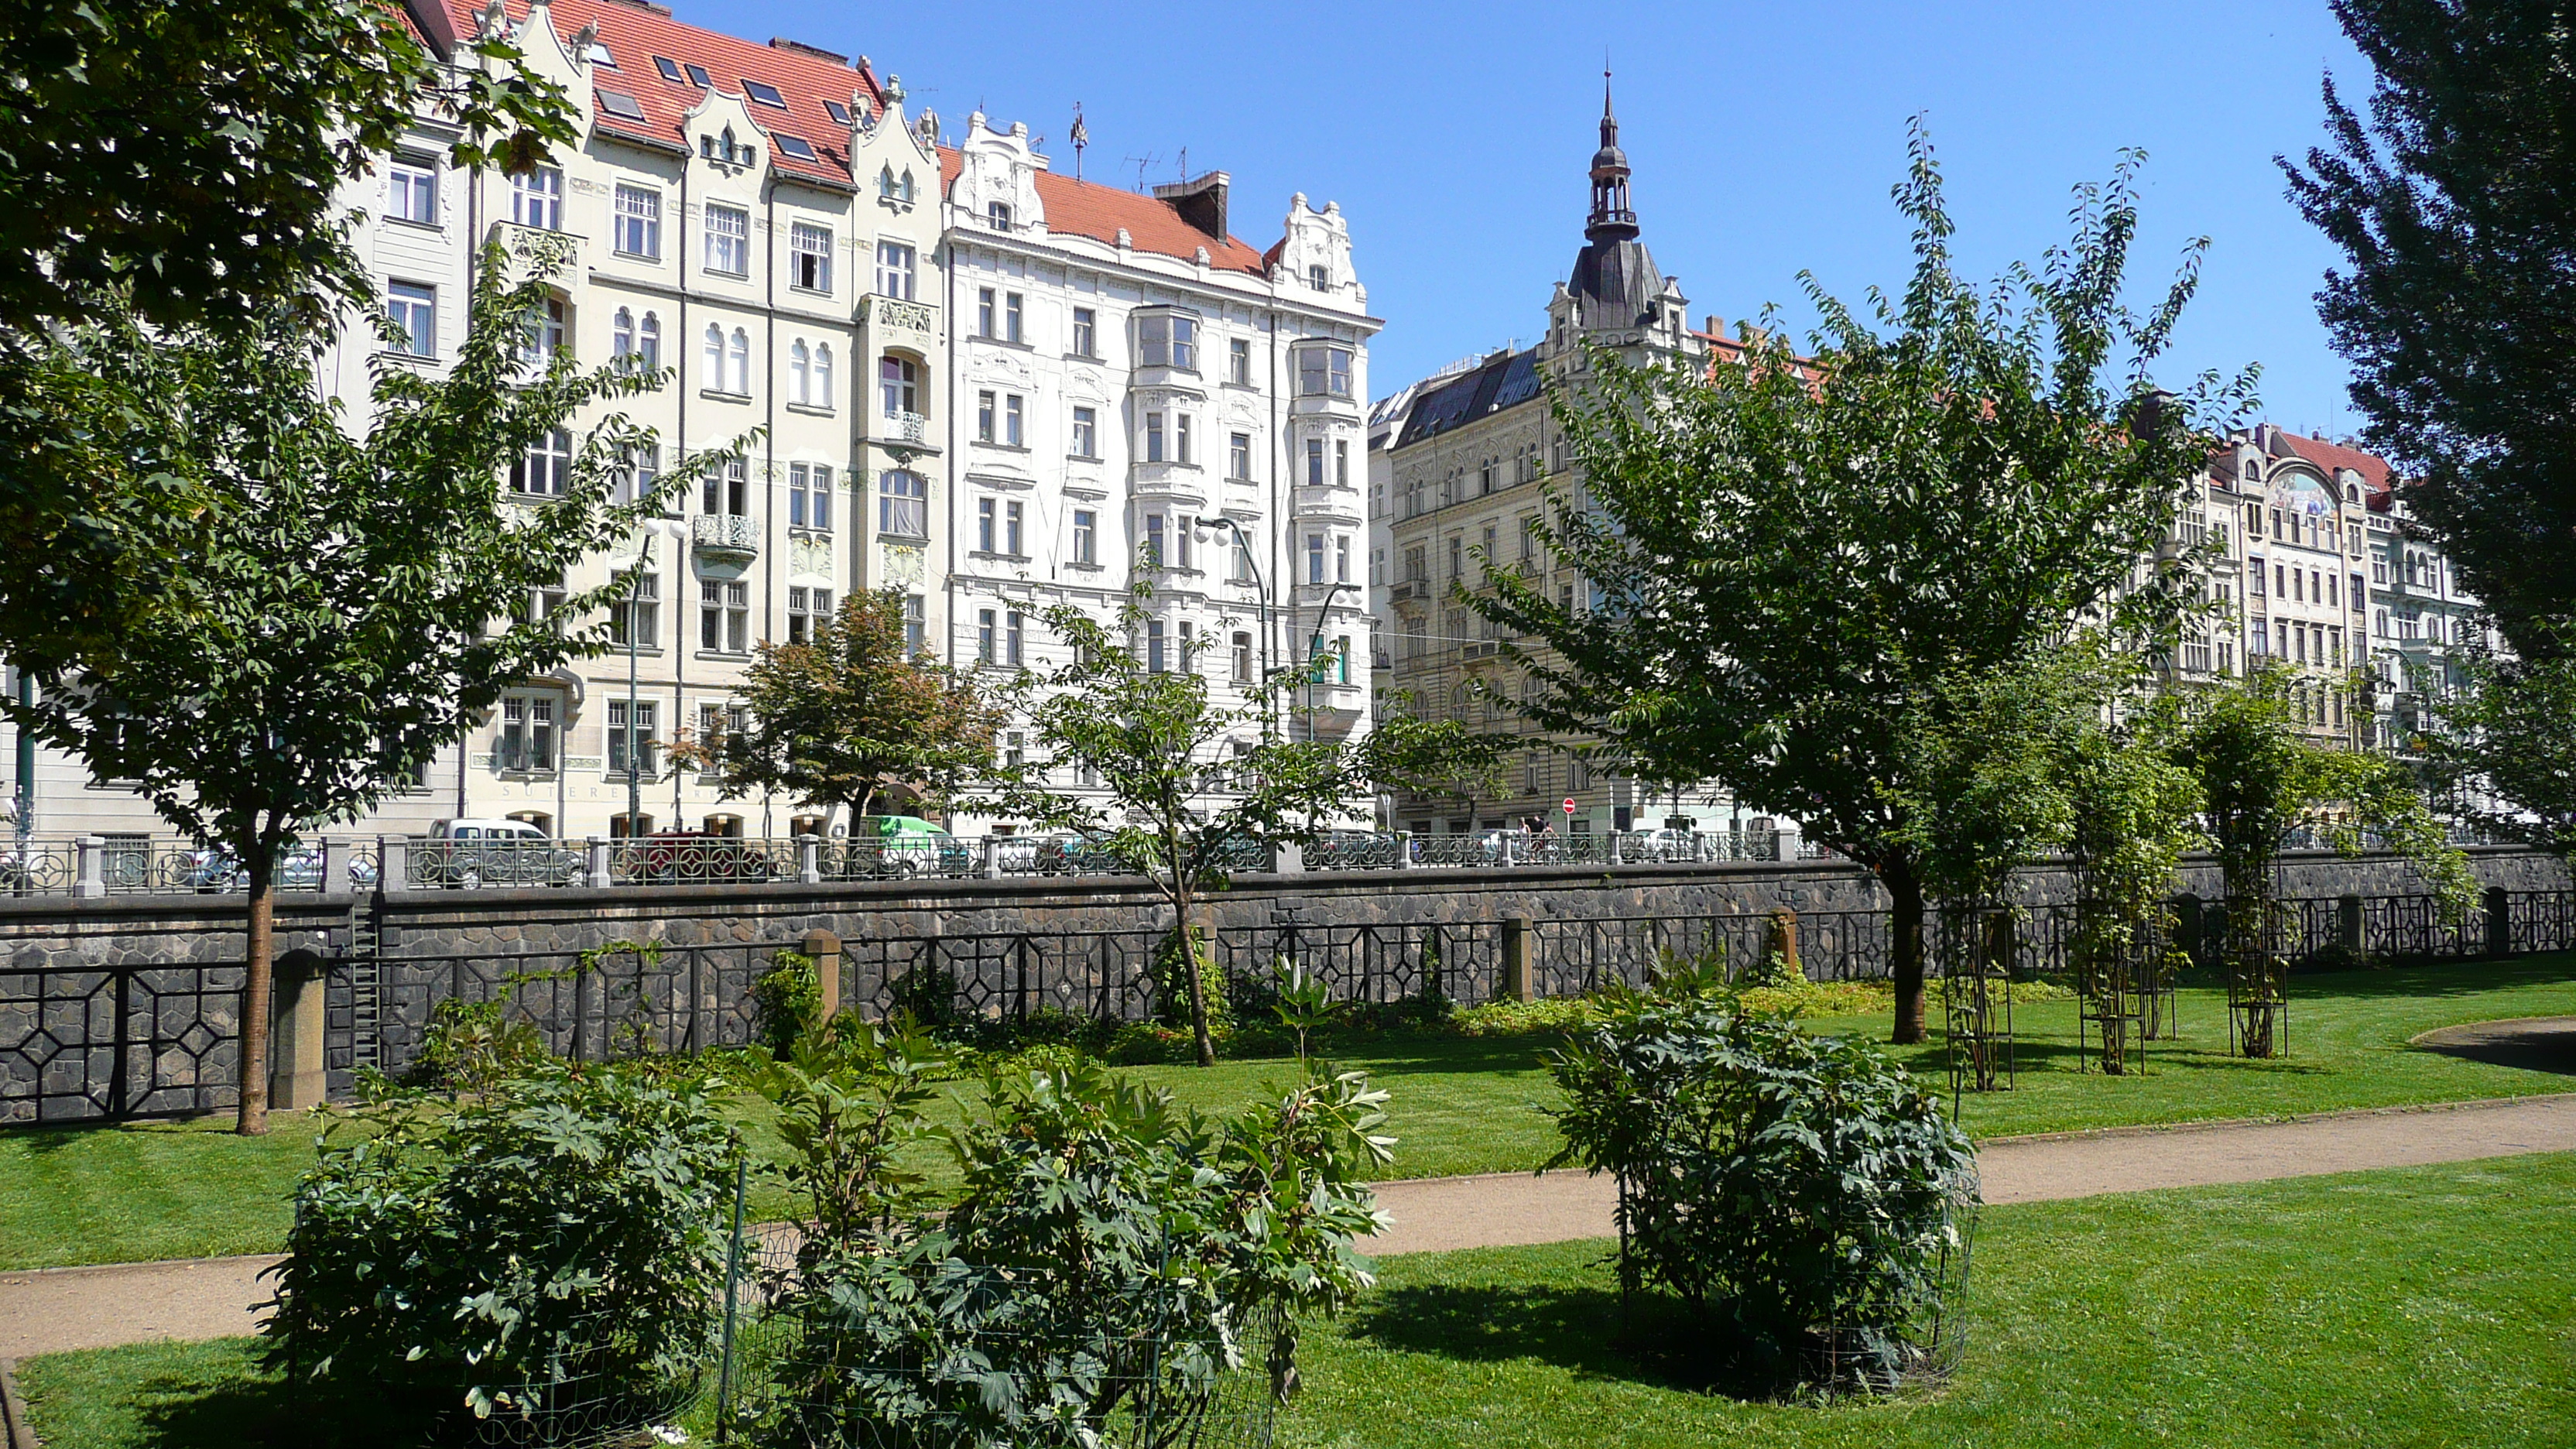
<point x="1616" y="298"/>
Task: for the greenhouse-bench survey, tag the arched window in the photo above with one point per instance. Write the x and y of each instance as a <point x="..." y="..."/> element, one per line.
<point x="885" y="182"/>
<point x="712" y="374"/>
<point x="800" y="372"/>
<point x="621" y="334"/>
<point x="823" y="375"/>
<point x="648" y="342"/>
<point x="738" y="363"/>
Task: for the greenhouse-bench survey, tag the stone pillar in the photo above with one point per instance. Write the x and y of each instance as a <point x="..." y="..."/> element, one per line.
<point x="335" y="867"/>
<point x="393" y="863"/>
<point x="1520" y="983"/>
<point x="2348" y="923"/>
<point x="88" y="876"/>
<point x="1404" y="850"/>
<point x="824" y="950"/>
<point x="2499" y="921"/>
<point x="992" y="857"/>
<point x="809" y="860"/>
<point x="298" y="1018"/>
<point x="1287" y="857"/>
<point x="1781" y="940"/>
<point x="1786" y="837"/>
<point x="597" y="873"/>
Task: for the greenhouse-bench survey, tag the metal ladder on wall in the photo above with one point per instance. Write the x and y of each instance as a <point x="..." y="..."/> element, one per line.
<point x="366" y="945"/>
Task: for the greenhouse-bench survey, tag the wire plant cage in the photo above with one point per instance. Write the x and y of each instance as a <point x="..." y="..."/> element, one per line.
<point x="1975" y="945"/>
<point x="2126" y="977"/>
<point x="2258" y="976"/>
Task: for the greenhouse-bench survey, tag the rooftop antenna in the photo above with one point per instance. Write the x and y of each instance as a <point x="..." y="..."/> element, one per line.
<point x="1185" y="163"/>
<point x="1140" y="163"/>
<point x="1081" y="138"/>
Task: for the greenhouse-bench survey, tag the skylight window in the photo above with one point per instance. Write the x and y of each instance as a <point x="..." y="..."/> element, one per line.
<point x="698" y="77"/>
<point x="618" y="103"/>
<point x="669" y="68"/>
<point x="600" y="55"/>
<point x="792" y="145"/>
<point x="763" y="92"/>
<point x="839" y="113"/>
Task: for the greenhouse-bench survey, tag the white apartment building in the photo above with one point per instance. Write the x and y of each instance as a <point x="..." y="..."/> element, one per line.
<point x="1137" y="396"/>
<point x="764" y="220"/>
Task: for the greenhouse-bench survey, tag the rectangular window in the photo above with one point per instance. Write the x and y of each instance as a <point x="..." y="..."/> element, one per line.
<point x="527" y="736"/>
<point x="1153" y="437"/>
<point x="725" y="487"/>
<point x="1341" y="462"/>
<point x="1168" y="340"/>
<point x="1154" y="554"/>
<point x="414" y="190"/>
<point x="1014" y="631"/>
<point x="542" y="470"/>
<point x="1238" y="457"/>
<point x="728" y="230"/>
<point x="1529" y="539"/>
<point x="638" y="224"/>
<point x="1314" y="558"/>
<point x="1012" y="312"/>
<point x="809" y="495"/>
<point x="985" y="515"/>
<point x="1154" y="658"/>
<point x="1182" y="452"/>
<point x="1086" y="433"/>
<point x="634" y="620"/>
<point x="809" y="263"/>
<point x="631" y="736"/>
<point x="806" y="610"/>
<point x="1341" y="558"/>
<point x="915" y="622"/>
<point x="986" y="405"/>
<point x="1184" y="534"/>
<point x="543" y="334"/>
<point x="902" y="499"/>
<point x="984" y="650"/>
<point x="1086" y="536"/>
<point x="984" y="312"/>
<point x="414" y="310"/>
<point x="1014" y="515"/>
<point x="2257" y="645"/>
<point x="536" y="198"/>
<point x="1324" y="372"/>
<point x="1086" y="332"/>
<point x="1012" y="408"/>
<point x="1457" y="555"/>
<point x="1315" y="462"/>
<point x="894" y="270"/>
<point x="2254" y="576"/>
<point x="724" y="616"/>
<point x="1238" y="358"/>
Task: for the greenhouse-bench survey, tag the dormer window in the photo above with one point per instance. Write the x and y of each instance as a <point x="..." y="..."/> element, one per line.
<point x="1320" y="277"/>
<point x="997" y="214"/>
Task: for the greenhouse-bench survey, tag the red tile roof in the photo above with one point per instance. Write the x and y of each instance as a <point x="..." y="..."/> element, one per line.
<point x="1087" y="208"/>
<point x="634" y="35"/>
<point x="2331" y="456"/>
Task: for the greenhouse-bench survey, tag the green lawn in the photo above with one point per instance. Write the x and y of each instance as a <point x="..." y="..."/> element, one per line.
<point x="2419" y="1306"/>
<point x="1460" y="1105"/>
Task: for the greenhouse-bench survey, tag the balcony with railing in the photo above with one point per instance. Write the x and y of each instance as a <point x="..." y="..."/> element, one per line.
<point x="736" y="534"/>
<point x="902" y="428"/>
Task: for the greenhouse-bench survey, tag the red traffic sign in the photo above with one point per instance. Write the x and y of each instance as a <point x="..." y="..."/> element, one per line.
<point x="1569" y="804"/>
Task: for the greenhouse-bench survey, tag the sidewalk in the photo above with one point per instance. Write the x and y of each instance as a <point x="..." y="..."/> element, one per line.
<point x="59" y="1309"/>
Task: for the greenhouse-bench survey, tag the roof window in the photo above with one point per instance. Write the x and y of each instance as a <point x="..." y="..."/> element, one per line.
<point x="791" y="145"/>
<point x="763" y="92"/>
<point x="600" y="55"/>
<point x="839" y="113"/>
<point x="698" y="76"/>
<point x="669" y="68"/>
<point x="618" y="103"/>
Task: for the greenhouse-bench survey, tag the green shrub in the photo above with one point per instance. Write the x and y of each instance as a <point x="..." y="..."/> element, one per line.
<point x="472" y="1046"/>
<point x="1555" y="1014"/>
<point x="787" y="1001"/>
<point x="556" y="1243"/>
<point x="1797" y="1195"/>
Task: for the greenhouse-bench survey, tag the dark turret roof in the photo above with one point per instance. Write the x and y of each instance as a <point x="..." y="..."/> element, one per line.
<point x="1506" y="380"/>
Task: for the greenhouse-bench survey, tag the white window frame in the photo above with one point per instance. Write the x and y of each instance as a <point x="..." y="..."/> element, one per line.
<point x="895" y="270"/>
<point x="728" y="245"/>
<point x="809" y="250"/>
<point x="638" y="231"/>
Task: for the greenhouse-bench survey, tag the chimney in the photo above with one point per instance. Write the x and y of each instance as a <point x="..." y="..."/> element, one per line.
<point x="781" y="43"/>
<point x="1200" y="201"/>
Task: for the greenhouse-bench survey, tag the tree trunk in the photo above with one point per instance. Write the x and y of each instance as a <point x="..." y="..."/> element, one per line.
<point x="1199" y="1036"/>
<point x="261" y="946"/>
<point x="1905" y="926"/>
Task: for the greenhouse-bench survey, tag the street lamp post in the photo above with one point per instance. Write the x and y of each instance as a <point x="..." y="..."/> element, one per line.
<point x="634" y="774"/>
<point x="1261" y="592"/>
<point x="1315" y="646"/>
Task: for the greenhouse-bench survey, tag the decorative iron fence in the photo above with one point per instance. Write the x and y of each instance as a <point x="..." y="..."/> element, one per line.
<point x="1380" y="963"/>
<point x="1005" y="976"/>
<point x="588" y="1005"/>
<point x="118" y="1042"/>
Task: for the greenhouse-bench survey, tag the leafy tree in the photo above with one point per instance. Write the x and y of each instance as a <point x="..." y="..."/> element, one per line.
<point x="1797" y="565"/>
<point x="364" y="598"/>
<point x="837" y="719"/>
<point x="1187" y="786"/>
<point x="178" y="165"/>
<point x="2132" y="813"/>
<point x="2455" y="203"/>
<point x="2506" y="742"/>
<point x="2260" y="777"/>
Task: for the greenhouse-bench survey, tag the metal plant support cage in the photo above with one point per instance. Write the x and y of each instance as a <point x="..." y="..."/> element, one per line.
<point x="2125" y="987"/>
<point x="1976" y="947"/>
<point x="2258" y="977"/>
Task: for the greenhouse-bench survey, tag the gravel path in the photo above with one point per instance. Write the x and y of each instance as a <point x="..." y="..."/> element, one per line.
<point x="59" y="1309"/>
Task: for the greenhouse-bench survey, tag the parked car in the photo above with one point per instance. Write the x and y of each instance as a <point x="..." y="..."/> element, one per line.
<point x="1077" y="852"/>
<point x="471" y="854"/>
<point x="905" y="845"/>
<point x="213" y="870"/>
<point x="692" y="856"/>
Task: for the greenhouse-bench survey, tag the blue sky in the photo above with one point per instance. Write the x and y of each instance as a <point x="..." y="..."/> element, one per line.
<point x="1764" y="137"/>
